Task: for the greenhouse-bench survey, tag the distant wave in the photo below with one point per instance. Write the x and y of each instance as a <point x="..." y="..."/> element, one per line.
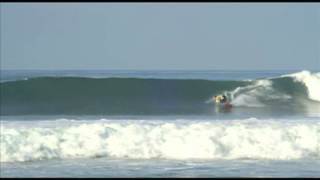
<point x="236" y="139"/>
<point x="138" y="96"/>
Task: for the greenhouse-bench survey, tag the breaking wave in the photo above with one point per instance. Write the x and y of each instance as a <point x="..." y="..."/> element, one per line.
<point x="235" y="139"/>
<point x="311" y="81"/>
<point x="138" y="96"/>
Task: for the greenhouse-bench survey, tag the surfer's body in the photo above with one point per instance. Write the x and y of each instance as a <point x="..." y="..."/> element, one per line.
<point x="222" y="101"/>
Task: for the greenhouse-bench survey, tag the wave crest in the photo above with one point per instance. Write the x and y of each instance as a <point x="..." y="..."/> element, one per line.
<point x="310" y="80"/>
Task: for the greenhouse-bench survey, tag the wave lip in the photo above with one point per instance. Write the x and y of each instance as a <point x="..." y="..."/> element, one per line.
<point x="310" y="80"/>
<point x="253" y="139"/>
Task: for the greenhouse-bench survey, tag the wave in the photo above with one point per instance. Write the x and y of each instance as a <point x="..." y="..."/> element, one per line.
<point x="311" y="81"/>
<point x="236" y="139"/>
<point x="138" y="96"/>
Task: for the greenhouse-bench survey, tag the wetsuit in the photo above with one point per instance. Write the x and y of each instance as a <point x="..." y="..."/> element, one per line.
<point x="224" y="99"/>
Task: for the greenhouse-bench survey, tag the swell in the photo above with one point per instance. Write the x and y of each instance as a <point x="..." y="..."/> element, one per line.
<point x="50" y="95"/>
<point x="134" y="96"/>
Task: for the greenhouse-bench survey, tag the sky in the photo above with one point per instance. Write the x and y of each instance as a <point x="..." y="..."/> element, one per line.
<point x="160" y="36"/>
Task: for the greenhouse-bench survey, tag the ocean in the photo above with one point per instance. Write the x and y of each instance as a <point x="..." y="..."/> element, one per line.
<point x="155" y="123"/>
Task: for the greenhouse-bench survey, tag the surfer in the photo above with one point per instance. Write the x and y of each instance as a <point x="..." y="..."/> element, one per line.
<point x="222" y="99"/>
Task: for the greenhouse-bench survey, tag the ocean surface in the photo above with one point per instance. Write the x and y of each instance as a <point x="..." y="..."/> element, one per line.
<point x="126" y="123"/>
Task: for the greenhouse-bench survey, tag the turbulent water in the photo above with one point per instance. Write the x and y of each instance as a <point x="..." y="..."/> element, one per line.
<point x="144" y="139"/>
<point x="154" y="119"/>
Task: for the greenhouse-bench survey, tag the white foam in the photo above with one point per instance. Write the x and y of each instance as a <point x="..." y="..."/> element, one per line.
<point x="171" y="140"/>
<point x="310" y="80"/>
<point x="252" y="95"/>
<point x="255" y="95"/>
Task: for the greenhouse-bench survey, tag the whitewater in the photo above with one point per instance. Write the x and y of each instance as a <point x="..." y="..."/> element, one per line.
<point x="180" y="139"/>
<point x="160" y="124"/>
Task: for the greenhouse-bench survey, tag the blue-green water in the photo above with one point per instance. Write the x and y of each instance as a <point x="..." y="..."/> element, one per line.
<point x="159" y="124"/>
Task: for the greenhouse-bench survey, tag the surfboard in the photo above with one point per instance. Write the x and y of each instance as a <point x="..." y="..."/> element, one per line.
<point x="227" y="105"/>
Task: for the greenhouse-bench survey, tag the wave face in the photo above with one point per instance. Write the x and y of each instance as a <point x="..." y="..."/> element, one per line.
<point x="134" y="96"/>
<point x="235" y="139"/>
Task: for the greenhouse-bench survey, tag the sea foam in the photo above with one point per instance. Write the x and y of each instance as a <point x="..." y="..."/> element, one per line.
<point x="235" y="139"/>
<point x="263" y="90"/>
<point x="256" y="94"/>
